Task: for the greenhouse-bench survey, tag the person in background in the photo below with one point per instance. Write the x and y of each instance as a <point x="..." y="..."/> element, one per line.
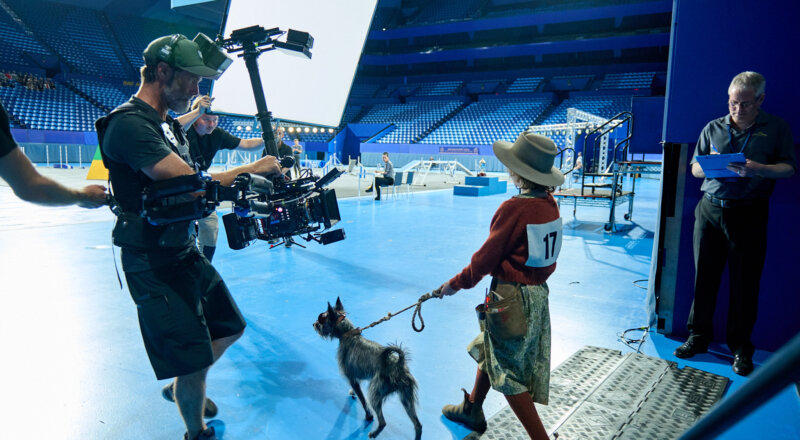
<point x="731" y="217"/>
<point x="297" y="151"/>
<point x="205" y="140"/>
<point x="382" y="178"/>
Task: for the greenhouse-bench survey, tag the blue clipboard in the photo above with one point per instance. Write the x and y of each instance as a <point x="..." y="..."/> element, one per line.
<point x="715" y="165"/>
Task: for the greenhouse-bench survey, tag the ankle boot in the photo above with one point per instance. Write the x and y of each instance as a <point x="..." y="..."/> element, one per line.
<point x="466" y="413"/>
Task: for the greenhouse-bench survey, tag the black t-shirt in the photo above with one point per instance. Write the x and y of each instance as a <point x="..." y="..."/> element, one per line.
<point x="131" y="142"/>
<point x="7" y="143"/>
<point x="283" y="150"/>
<point x="204" y="148"/>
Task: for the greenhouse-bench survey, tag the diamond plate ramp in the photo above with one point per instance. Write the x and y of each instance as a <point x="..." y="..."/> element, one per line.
<point x="600" y="394"/>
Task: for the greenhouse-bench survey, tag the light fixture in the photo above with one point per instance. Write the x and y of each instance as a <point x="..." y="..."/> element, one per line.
<point x="314" y="130"/>
<point x="238" y="128"/>
<point x="248" y="128"/>
<point x="291" y="129"/>
<point x="306" y="129"/>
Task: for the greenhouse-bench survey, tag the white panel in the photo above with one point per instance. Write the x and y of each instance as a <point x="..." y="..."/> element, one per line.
<point x="298" y="89"/>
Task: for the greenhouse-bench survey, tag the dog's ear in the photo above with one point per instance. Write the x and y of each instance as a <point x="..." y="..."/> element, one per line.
<point x="331" y="313"/>
<point x="339" y="306"/>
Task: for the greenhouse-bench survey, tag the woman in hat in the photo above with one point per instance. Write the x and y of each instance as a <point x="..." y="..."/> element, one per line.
<point x="513" y="350"/>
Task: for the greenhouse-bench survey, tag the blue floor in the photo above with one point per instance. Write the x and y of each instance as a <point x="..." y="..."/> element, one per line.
<point x="75" y="366"/>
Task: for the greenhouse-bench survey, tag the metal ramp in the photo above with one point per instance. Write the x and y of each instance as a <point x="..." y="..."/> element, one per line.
<point x="599" y="394"/>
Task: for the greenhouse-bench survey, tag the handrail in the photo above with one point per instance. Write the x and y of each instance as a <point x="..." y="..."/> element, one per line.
<point x="782" y="369"/>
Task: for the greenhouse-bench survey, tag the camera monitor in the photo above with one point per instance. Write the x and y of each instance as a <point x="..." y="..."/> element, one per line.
<point x="298" y="89"/>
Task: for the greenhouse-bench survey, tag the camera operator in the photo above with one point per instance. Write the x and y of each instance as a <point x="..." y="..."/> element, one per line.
<point x="205" y="140"/>
<point x="29" y="185"/>
<point x="186" y="314"/>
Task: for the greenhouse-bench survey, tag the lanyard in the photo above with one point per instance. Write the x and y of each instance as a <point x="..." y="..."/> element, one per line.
<point x="746" y="140"/>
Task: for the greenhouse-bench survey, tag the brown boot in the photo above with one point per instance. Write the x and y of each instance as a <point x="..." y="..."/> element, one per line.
<point x="467" y="413"/>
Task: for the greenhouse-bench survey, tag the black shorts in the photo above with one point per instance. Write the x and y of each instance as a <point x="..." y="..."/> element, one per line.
<point x="182" y="308"/>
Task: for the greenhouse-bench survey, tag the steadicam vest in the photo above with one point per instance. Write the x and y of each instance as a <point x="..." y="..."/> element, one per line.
<point x="131" y="230"/>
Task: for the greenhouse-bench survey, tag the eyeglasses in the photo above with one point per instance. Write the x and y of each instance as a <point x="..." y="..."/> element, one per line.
<point x="742" y="105"/>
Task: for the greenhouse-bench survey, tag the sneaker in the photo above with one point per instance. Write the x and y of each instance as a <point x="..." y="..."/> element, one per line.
<point x="210" y="411"/>
<point x="369" y="190"/>
<point x="208" y="434"/>
<point x="466" y="413"/>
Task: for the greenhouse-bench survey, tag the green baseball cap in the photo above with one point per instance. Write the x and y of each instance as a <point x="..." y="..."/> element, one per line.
<point x="199" y="56"/>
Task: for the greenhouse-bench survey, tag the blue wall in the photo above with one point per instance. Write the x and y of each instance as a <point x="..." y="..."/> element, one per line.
<point x="712" y="42"/>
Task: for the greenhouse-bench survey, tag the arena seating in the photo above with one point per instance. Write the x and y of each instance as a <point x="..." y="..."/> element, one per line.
<point x="411" y="119"/>
<point x="51" y="109"/>
<point x="108" y="95"/>
<point x="486" y="121"/>
<point x="604" y="106"/>
<point x="633" y="80"/>
<point x="441" y="88"/>
<point x="16" y="42"/>
<point x="525" y="85"/>
<point x="75" y="34"/>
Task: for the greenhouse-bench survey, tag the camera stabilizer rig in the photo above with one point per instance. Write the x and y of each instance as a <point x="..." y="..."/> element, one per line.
<point x="262" y="209"/>
<point x="252" y="42"/>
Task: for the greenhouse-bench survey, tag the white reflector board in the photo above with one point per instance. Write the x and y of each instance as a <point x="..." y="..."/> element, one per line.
<point x="298" y="89"/>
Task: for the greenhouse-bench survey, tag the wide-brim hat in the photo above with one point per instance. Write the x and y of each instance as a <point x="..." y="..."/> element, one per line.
<point x="181" y="52"/>
<point x="531" y="156"/>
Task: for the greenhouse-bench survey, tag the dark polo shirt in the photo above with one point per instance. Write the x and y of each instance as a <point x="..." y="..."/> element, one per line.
<point x="769" y="141"/>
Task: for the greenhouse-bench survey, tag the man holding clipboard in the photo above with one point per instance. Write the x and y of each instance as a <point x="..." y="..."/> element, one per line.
<point x="754" y="148"/>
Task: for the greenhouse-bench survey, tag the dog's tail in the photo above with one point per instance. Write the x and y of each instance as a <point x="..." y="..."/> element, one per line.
<point x="395" y="370"/>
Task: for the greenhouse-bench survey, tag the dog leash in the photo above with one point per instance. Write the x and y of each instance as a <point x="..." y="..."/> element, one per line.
<point x="436" y="293"/>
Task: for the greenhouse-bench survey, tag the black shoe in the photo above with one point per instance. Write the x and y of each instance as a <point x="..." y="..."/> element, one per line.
<point x="742" y="364"/>
<point x="690" y="348"/>
<point x="208" y="434"/>
<point x="377" y="198"/>
<point x="369" y="190"/>
<point x="210" y="411"/>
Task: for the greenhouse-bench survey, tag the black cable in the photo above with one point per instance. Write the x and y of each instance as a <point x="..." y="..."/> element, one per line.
<point x="628" y="341"/>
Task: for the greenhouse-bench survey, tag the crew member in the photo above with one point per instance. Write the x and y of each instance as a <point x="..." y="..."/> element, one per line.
<point x="731" y="217"/>
<point x="186" y="314"/>
<point x="382" y="178"/>
<point x="205" y="140"/>
<point x="29" y="185"/>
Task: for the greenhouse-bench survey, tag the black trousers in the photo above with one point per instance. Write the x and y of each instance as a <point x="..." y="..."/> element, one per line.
<point x="738" y="236"/>
<point x="382" y="181"/>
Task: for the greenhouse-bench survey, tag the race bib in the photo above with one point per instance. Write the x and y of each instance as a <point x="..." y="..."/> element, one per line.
<point x="544" y="243"/>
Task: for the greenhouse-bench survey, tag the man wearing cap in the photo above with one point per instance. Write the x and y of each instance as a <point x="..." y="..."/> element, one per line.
<point x="513" y="351"/>
<point x="29" y="185"/>
<point x="731" y="217"/>
<point x="186" y="314"/>
<point x="205" y="140"/>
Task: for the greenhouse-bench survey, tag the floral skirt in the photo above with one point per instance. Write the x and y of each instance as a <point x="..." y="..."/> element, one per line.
<point x="521" y="364"/>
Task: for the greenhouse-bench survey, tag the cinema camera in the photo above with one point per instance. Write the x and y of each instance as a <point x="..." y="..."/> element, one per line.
<point x="262" y="209"/>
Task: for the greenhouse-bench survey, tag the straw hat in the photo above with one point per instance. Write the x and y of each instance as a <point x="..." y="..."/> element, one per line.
<point x="531" y="156"/>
